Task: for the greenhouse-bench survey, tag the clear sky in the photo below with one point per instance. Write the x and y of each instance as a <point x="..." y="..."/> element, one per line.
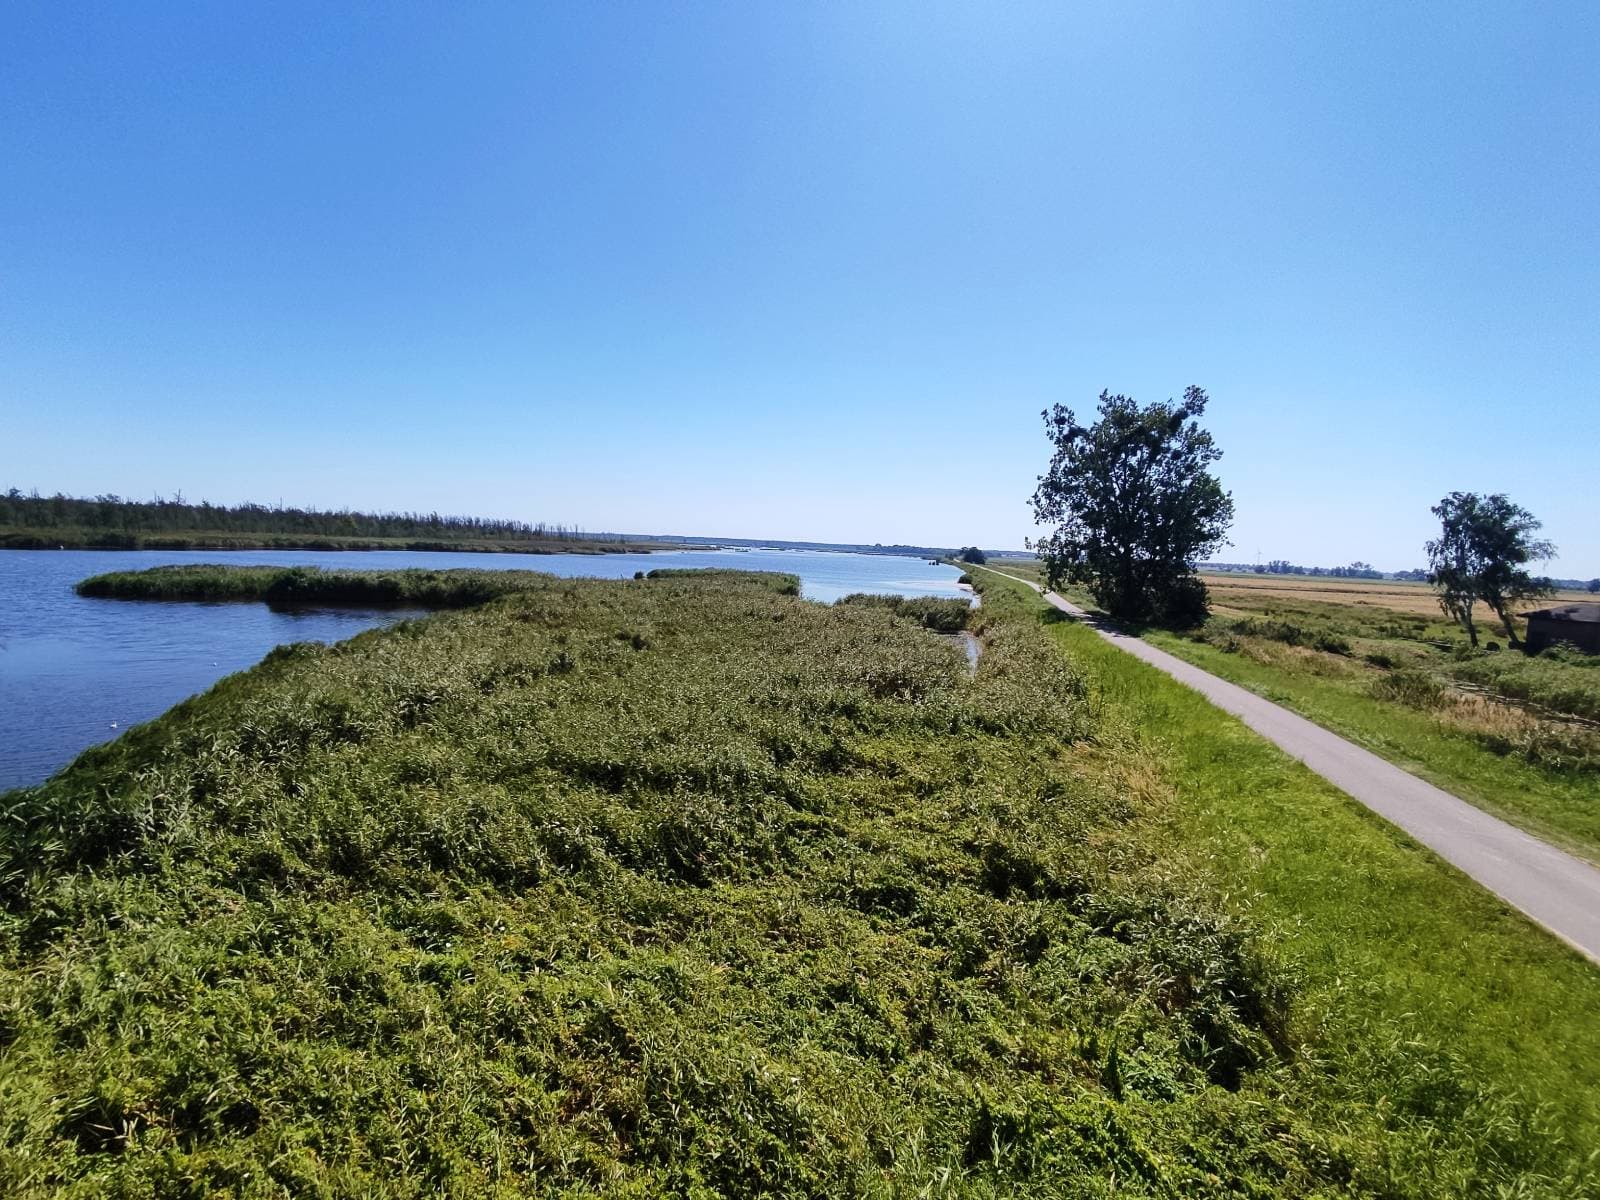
<point x="804" y="270"/>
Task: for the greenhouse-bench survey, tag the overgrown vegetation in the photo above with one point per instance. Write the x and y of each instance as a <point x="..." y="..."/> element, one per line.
<point x="931" y="612"/>
<point x="300" y="587"/>
<point x="1226" y="632"/>
<point x="676" y="886"/>
<point x="1413" y="986"/>
<point x="1557" y="678"/>
<point x="29" y="521"/>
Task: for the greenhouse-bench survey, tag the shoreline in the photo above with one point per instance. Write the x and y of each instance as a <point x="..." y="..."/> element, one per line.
<point x="223" y="545"/>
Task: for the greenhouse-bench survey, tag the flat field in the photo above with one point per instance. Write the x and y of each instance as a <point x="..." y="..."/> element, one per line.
<point x="1240" y="593"/>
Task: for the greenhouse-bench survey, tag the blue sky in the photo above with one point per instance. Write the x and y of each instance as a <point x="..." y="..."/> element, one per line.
<point x="804" y="271"/>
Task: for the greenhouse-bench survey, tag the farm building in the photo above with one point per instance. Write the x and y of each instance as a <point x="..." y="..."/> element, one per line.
<point x="1576" y="624"/>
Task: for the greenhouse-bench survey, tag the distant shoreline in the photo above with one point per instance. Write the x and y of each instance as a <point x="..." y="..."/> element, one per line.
<point x="66" y="539"/>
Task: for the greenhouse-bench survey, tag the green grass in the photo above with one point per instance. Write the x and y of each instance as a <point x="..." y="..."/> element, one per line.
<point x="1390" y="681"/>
<point x="686" y="886"/>
<point x="196" y="581"/>
<point x="1391" y="948"/>
<point x="290" y="587"/>
<point x="1562" y="805"/>
<point x="1564" y="680"/>
<point x="939" y="615"/>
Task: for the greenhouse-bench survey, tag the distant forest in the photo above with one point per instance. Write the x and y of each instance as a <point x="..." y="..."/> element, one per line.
<point x="112" y="516"/>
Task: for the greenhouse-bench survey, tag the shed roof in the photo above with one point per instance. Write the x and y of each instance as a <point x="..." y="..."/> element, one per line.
<point x="1587" y="613"/>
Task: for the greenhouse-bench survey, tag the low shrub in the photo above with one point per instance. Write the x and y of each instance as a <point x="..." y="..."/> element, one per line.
<point x="1291" y="633"/>
<point x="935" y="613"/>
<point x="1549" y="744"/>
<point x="1562" y="680"/>
<point x="1414" y="689"/>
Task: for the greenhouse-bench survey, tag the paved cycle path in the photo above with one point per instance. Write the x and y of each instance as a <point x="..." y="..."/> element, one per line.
<point x="1553" y="888"/>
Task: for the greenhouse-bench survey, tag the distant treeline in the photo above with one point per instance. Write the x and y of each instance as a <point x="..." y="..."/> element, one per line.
<point x="898" y="548"/>
<point x="115" y="514"/>
<point x="1279" y="566"/>
<point x="1361" y="570"/>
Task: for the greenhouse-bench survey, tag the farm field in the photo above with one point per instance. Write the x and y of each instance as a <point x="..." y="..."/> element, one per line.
<point x="1237" y="592"/>
<point x="686" y="885"/>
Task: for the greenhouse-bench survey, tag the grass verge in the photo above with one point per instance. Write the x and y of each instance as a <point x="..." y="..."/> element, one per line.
<point x="1512" y="734"/>
<point x="1391" y="946"/>
<point x="1560" y="803"/>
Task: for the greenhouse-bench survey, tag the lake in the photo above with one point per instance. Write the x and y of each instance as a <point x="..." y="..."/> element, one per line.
<point x="76" y="672"/>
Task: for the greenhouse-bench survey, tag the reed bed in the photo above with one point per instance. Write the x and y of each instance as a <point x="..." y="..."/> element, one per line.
<point x="673" y="886"/>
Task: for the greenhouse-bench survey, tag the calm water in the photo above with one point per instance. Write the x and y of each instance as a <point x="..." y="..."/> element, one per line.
<point x="75" y="672"/>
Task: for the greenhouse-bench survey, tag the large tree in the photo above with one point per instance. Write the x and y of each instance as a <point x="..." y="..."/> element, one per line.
<point x="1484" y="546"/>
<point x="1135" y="506"/>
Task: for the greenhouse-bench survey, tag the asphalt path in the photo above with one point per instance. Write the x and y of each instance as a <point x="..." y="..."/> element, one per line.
<point x="1551" y="887"/>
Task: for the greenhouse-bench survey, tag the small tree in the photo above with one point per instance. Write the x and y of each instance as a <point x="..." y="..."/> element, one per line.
<point x="971" y="554"/>
<point x="1481" y="553"/>
<point x="1136" y="506"/>
<point x="1593" y="585"/>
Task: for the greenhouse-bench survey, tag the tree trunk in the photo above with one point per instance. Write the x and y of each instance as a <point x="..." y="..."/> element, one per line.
<point x="1505" y="619"/>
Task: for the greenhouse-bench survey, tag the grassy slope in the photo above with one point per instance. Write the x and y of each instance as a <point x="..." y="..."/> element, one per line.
<point x="679" y="885"/>
<point x="687" y="886"/>
<point x="1392" y="946"/>
<point x="1562" y="805"/>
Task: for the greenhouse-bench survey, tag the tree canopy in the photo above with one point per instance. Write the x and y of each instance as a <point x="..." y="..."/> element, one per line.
<point x="1481" y="554"/>
<point x="1135" y="505"/>
<point x="971" y="554"/>
<point x="118" y="514"/>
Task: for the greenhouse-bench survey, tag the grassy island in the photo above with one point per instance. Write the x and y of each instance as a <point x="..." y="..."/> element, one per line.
<point x="291" y="587"/>
<point x="686" y="886"/>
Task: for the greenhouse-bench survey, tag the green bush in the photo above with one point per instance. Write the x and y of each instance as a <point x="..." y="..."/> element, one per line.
<point x="1415" y="689"/>
<point x="1557" y="747"/>
<point x="935" y="613"/>
<point x="1290" y="633"/>
<point x="1564" y="681"/>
